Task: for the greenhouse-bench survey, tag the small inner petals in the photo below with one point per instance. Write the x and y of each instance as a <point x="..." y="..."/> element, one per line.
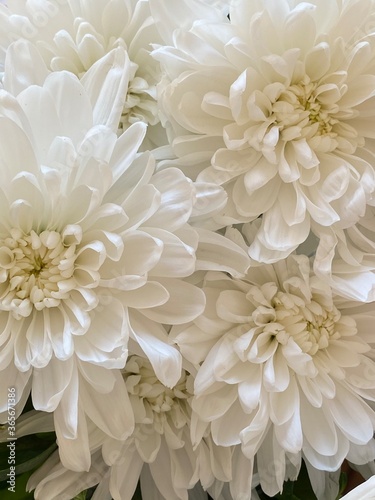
<point x="159" y="401"/>
<point x="301" y="110"/>
<point x="311" y="325"/>
<point x="140" y="103"/>
<point x="35" y="266"/>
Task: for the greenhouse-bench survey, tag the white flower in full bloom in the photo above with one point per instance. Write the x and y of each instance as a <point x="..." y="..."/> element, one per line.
<point x="280" y="101"/>
<point x="287" y="370"/>
<point x="159" y="453"/>
<point x="94" y="249"/>
<point x="72" y="35"/>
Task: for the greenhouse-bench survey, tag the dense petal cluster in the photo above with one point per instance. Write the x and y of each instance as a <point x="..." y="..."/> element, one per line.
<point x="279" y="100"/>
<point x="73" y="35"/>
<point x="159" y="452"/>
<point x="287" y="370"/>
<point x="94" y="247"/>
<point x="187" y="245"/>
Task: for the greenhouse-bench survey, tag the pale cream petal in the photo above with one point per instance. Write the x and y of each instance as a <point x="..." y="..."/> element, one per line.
<point x="110" y="411"/>
<point x="124" y="477"/>
<point x="153" y="340"/>
<point x="185" y="303"/>
<point x="364" y="491"/>
<point x="49" y="384"/>
<point x="28" y="63"/>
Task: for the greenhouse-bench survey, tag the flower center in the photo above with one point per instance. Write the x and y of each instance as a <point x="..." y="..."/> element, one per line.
<point x="304" y="110"/>
<point x="33" y="268"/>
<point x="140" y="103"/>
<point x="299" y="105"/>
<point x="310" y="324"/>
<point x="158" y="400"/>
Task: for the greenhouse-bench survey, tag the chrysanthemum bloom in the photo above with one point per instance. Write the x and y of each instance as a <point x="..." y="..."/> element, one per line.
<point x="159" y="453"/>
<point x="287" y="369"/>
<point x="280" y="100"/>
<point x="94" y="248"/>
<point x="72" y="35"/>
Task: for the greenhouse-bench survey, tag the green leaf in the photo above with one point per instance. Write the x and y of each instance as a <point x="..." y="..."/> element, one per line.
<point x="261" y="494"/>
<point x="81" y="496"/>
<point x="343" y="481"/>
<point x="31" y="464"/>
<point x="288" y="491"/>
<point x="28" y="453"/>
<point x="302" y="487"/>
<point x="137" y="494"/>
<point x="294" y="490"/>
<point x="18" y="492"/>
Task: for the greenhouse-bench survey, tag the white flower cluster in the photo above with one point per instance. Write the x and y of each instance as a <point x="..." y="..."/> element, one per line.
<point x="187" y="243"/>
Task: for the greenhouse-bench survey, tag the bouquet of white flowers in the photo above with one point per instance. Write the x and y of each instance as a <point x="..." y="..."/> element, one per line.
<point x="187" y="249"/>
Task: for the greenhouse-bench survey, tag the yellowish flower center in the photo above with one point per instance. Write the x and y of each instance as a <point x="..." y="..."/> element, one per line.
<point x="310" y="324"/>
<point x="304" y="110"/>
<point x="159" y="401"/>
<point x="310" y="330"/>
<point x="33" y="268"/>
<point x="300" y="105"/>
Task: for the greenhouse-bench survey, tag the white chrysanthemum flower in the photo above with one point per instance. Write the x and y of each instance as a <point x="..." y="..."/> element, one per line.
<point x="94" y="249"/>
<point x="286" y="370"/>
<point x="280" y="99"/>
<point x="159" y="453"/>
<point x="72" y="35"/>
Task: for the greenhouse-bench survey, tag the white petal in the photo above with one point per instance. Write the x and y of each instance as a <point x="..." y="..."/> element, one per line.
<point x="24" y="66"/>
<point x="226" y="431"/>
<point x="216" y="252"/>
<point x="110" y="411"/>
<point x="106" y="83"/>
<point x="108" y="328"/>
<point x="18" y="380"/>
<point x="17" y="153"/>
<point x="68" y="93"/>
<point x="184" y="304"/>
<point x="289" y="434"/>
<point x="74" y="453"/>
<point x="152" y="295"/>
<point x="346" y="409"/>
<point x="177" y="259"/>
<point x="212" y="406"/>
<point x="176" y="200"/>
<point x="141" y="253"/>
<point x="49" y="384"/>
<point x="124" y="477"/>
<point x="364" y="491"/>
<point x="126" y="149"/>
<point x="153" y="340"/>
